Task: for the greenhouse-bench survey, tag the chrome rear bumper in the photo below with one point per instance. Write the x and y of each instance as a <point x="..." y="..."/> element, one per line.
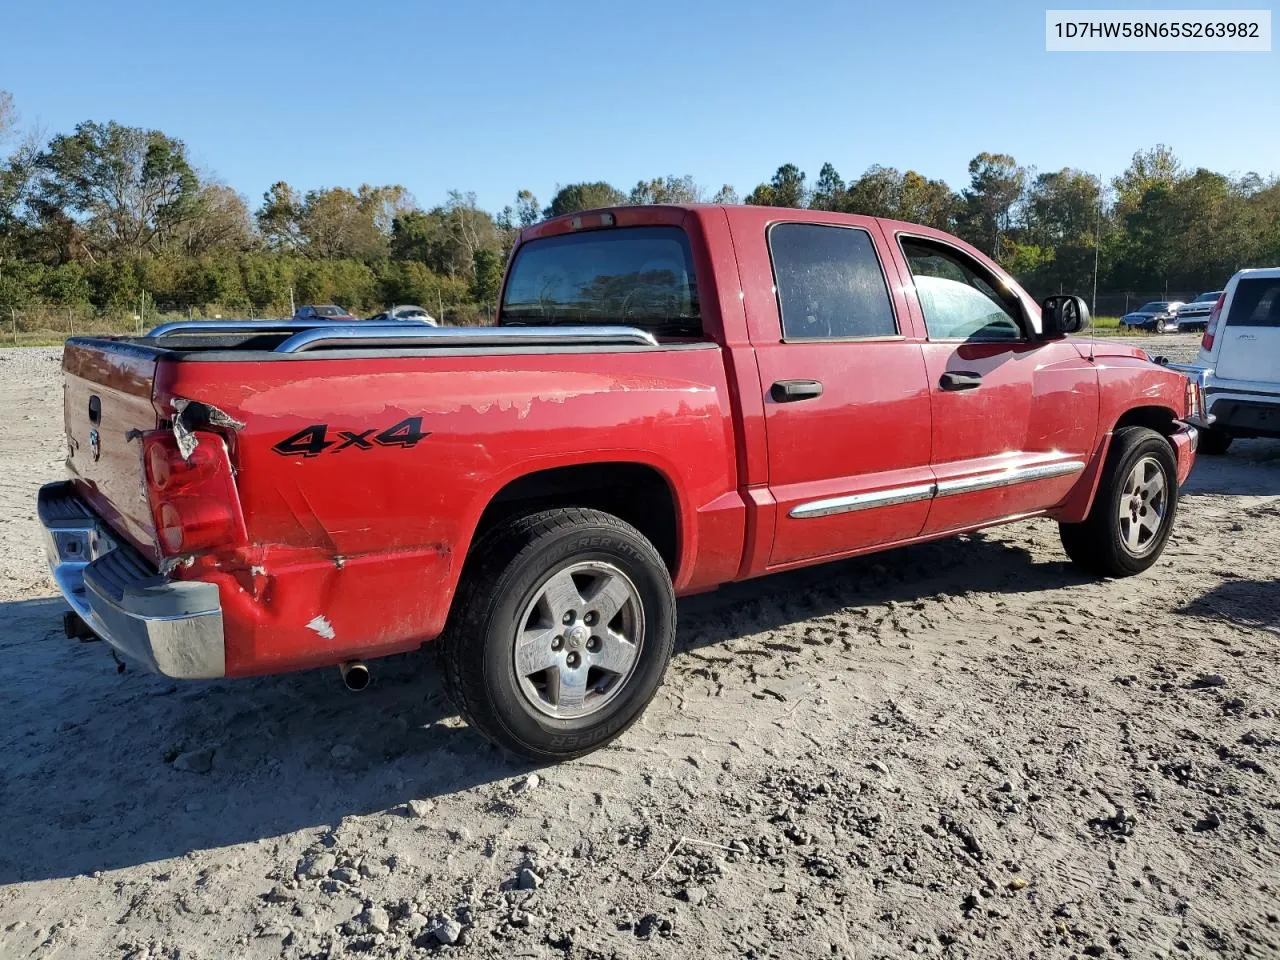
<point x="173" y="627"/>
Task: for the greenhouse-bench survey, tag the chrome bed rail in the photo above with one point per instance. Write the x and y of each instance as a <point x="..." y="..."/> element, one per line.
<point x="308" y="335"/>
<point x="232" y="326"/>
<point x="355" y="336"/>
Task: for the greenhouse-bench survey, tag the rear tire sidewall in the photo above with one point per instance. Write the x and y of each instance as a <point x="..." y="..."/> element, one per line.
<point x="1151" y="444"/>
<point x="539" y="733"/>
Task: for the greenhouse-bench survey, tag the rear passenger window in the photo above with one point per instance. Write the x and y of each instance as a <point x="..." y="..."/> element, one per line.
<point x="1256" y="303"/>
<point x="829" y="283"/>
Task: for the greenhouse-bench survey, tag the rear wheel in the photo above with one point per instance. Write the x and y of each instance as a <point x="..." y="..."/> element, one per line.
<point x="1213" y="443"/>
<point x="562" y="631"/>
<point x="1161" y="326"/>
<point x="1132" y="514"/>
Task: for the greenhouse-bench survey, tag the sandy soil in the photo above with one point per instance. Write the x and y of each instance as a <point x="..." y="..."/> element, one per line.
<point x="959" y="749"/>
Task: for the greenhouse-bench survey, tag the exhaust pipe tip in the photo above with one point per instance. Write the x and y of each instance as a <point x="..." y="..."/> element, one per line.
<point x="355" y="675"/>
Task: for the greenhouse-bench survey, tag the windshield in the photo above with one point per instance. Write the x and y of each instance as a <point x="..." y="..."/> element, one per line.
<point x="632" y="276"/>
<point x="1153" y="307"/>
<point x="1208" y="297"/>
<point x="329" y="310"/>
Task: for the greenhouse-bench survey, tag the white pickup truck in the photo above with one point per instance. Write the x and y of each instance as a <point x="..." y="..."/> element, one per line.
<point x="1238" y="366"/>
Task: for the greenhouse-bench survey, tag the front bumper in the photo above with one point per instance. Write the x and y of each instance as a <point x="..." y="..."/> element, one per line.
<point x="173" y="627"/>
<point x="1185" y="439"/>
<point x="1245" y="417"/>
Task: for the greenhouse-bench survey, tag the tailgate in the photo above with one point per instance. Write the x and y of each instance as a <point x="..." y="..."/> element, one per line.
<point x="1250" y="348"/>
<point x="106" y="400"/>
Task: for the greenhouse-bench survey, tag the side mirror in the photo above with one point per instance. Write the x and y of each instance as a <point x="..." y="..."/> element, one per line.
<point x="1061" y="315"/>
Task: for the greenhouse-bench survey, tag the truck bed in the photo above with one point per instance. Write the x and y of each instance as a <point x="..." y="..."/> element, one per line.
<point x="363" y="464"/>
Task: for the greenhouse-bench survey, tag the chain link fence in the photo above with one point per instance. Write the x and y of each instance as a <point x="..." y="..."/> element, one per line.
<point x="45" y="323"/>
<point x="1118" y="304"/>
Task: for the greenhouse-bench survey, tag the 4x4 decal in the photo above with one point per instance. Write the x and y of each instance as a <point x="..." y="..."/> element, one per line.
<point x="314" y="440"/>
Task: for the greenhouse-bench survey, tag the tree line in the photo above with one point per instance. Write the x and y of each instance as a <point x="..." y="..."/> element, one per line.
<point x="111" y="217"/>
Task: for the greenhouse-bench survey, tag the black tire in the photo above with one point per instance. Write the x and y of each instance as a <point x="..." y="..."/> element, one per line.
<point x="1214" y="443"/>
<point x="1097" y="544"/>
<point x="1161" y="326"/>
<point x="505" y="571"/>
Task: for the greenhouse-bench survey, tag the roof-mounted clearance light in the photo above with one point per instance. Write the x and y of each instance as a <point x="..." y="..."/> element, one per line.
<point x="602" y="220"/>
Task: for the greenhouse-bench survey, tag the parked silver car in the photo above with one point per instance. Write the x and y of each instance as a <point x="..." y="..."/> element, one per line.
<point x="1195" y="315"/>
<point x="408" y="312"/>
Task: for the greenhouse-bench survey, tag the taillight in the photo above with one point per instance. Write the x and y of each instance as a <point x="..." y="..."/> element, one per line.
<point x="1210" y="325"/>
<point x="1195" y="400"/>
<point x="193" y="501"/>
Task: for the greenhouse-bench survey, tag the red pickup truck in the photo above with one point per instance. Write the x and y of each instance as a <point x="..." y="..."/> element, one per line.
<point x="673" y="398"/>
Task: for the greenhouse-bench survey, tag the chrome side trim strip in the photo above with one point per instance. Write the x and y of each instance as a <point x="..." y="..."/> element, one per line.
<point x="863" y="501"/>
<point x="928" y="491"/>
<point x="1006" y="478"/>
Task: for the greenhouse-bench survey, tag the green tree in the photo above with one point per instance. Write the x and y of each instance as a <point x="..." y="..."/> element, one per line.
<point x="828" y="190"/>
<point x="877" y="193"/>
<point x="220" y="220"/>
<point x="665" y="190"/>
<point x="487" y="276"/>
<point x="1062" y="216"/>
<point x="280" y="217"/>
<point x="131" y="188"/>
<point x="786" y="189"/>
<point x="995" y="186"/>
<point x="726" y="195"/>
<point x="584" y="196"/>
<point x="1148" y="168"/>
<point x="527" y="209"/>
<point x="930" y="202"/>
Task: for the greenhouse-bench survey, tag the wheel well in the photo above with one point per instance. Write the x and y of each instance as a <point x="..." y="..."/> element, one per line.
<point x="1159" y="419"/>
<point x="633" y="492"/>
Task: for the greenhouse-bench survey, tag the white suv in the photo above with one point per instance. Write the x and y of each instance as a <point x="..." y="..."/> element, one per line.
<point x="1239" y="361"/>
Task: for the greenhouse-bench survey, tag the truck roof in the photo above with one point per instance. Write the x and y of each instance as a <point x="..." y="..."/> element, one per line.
<point x="645" y="213"/>
<point x="674" y="213"/>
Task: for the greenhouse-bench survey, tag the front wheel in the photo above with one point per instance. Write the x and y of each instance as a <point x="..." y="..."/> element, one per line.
<point x="1132" y="514"/>
<point x="562" y="631"/>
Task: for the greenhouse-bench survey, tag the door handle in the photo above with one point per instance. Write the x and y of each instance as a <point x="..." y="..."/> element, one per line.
<point x="961" y="380"/>
<point x="1246" y="336"/>
<point x="789" y="391"/>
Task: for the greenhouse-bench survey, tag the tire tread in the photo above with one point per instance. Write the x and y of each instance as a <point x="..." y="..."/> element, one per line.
<point x="499" y="551"/>
<point x="1092" y="544"/>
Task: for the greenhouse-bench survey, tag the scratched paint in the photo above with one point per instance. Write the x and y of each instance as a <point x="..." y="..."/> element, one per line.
<point x="322" y="626"/>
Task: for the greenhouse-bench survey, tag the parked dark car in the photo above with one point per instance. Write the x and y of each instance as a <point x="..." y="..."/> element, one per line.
<point x="1160" y="316"/>
<point x="323" y="311"/>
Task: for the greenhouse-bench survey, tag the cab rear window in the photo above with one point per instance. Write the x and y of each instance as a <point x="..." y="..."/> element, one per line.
<point x="1256" y="303"/>
<point x="629" y="276"/>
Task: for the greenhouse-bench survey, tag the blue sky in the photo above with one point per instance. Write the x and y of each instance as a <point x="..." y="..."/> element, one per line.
<point x="496" y="96"/>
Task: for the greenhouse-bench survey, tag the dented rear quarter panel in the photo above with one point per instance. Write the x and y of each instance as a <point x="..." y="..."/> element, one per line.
<point x="357" y="552"/>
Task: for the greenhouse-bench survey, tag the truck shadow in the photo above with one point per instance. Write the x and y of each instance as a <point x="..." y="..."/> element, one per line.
<point x="103" y="771"/>
<point x="1249" y="468"/>
<point x="1249" y="603"/>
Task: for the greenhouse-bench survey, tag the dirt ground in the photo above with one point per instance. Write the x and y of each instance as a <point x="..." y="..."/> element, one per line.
<point x="959" y="749"/>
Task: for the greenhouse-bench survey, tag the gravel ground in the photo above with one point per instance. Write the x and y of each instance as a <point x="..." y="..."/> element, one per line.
<point x="959" y="749"/>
